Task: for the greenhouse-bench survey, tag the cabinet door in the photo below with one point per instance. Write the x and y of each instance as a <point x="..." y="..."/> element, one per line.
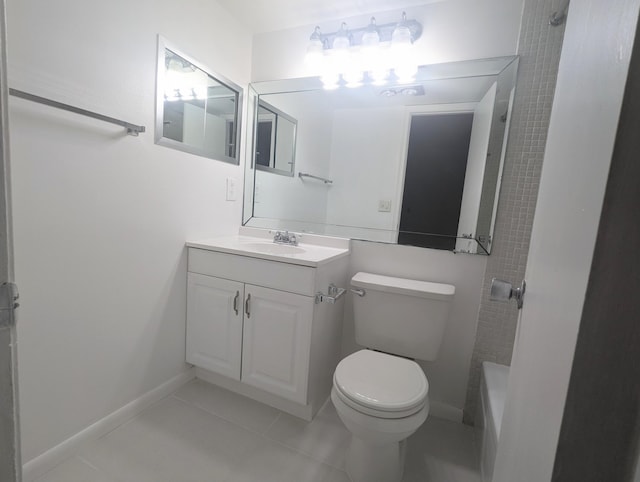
<point x="276" y="341"/>
<point x="214" y="324"/>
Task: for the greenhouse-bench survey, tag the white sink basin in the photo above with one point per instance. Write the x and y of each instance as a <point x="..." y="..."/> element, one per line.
<point x="258" y="243"/>
<point x="273" y="248"/>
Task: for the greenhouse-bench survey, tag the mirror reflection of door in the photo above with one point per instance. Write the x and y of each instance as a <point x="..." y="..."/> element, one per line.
<point x="265" y="140"/>
<point x="434" y="179"/>
<point x="275" y="144"/>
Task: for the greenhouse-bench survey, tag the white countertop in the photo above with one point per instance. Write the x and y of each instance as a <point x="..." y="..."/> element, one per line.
<point x="312" y="250"/>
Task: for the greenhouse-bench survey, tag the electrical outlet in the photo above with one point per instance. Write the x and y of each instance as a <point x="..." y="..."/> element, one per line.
<point x="231" y="189"/>
<point x="384" y="205"/>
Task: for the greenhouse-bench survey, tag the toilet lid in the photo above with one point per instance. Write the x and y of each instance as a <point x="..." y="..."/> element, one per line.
<point x="381" y="382"/>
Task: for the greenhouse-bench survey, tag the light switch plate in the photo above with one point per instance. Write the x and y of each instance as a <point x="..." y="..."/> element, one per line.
<point x="384" y="205"/>
<point x="231" y="189"/>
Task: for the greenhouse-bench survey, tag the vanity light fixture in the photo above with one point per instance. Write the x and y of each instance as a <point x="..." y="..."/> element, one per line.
<point x="375" y="53"/>
<point x="183" y="81"/>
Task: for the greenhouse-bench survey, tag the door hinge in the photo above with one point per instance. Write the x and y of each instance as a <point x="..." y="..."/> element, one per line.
<point x="8" y="304"/>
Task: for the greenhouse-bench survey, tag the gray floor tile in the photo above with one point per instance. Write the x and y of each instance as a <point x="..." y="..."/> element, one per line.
<point x="273" y="462"/>
<point x="337" y="475"/>
<point x="75" y="470"/>
<point x="244" y="411"/>
<point x="440" y="451"/>
<point x="172" y="441"/>
<point x="207" y="434"/>
<point x="325" y="438"/>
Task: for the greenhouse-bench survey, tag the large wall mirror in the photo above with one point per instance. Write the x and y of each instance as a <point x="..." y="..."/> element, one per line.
<point x="197" y="111"/>
<point x="416" y="164"/>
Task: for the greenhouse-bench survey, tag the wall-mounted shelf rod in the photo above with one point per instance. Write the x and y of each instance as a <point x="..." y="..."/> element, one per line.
<point x="304" y="174"/>
<point x="132" y="129"/>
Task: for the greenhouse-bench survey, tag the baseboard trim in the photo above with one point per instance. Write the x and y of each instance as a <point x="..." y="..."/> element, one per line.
<point x="41" y="464"/>
<point x="445" y="411"/>
<point x="305" y="412"/>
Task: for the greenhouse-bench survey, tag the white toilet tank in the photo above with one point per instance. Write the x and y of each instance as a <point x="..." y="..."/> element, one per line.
<point x="401" y="316"/>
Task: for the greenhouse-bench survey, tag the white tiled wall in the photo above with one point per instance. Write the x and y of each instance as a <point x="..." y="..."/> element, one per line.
<point x="539" y="50"/>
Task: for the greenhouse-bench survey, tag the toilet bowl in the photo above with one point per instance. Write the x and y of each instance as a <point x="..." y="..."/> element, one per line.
<point x="381" y="396"/>
<point x="382" y="400"/>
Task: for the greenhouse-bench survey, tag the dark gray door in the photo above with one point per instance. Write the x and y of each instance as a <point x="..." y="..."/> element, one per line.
<point x="434" y="179"/>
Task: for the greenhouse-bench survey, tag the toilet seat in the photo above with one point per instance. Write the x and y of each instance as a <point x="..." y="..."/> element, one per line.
<point x="381" y="385"/>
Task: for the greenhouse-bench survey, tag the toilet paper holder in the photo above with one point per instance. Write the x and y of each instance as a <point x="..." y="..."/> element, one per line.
<point x="504" y="291"/>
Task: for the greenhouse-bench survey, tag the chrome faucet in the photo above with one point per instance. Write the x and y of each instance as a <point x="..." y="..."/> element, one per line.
<point x="285" y="238"/>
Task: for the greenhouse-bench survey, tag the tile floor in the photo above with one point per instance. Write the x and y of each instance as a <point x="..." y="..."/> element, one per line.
<point x="203" y="433"/>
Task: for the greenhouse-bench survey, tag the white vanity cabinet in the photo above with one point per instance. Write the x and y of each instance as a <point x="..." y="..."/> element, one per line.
<point x="255" y="326"/>
<point x="214" y="324"/>
<point x="276" y="341"/>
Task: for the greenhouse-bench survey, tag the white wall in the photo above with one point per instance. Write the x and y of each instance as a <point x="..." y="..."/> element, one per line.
<point x="367" y="145"/>
<point x="453" y="31"/>
<point x="593" y="66"/>
<point x="101" y="218"/>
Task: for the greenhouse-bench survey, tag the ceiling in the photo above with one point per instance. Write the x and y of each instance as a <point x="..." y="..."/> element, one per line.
<point x="269" y="15"/>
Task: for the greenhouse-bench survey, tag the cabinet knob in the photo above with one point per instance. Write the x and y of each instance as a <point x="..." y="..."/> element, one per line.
<point x="246" y="306"/>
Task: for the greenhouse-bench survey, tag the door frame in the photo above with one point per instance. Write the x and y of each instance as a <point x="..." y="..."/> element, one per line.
<point x="591" y="78"/>
<point x="409" y="113"/>
<point x="10" y="459"/>
<point x="598" y="439"/>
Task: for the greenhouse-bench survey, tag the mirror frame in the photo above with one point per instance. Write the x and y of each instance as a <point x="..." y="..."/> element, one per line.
<point x="278" y="113"/>
<point x="164" y="45"/>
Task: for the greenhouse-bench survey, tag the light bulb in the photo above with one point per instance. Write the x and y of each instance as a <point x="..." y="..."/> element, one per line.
<point x="186" y="93"/>
<point x="171" y="95"/>
<point x="402" y="33"/>
<point x="379" y="76"/>
<point x="371" y="36"/>
<point x="371" y="54"/>
<point x="404" y="66"/>
<point x="330" y="81"/>
<point x="315" y="52"/>
<point x="342" y="40"/>
<point x="406" y="72"/>
<point x="200" y="92"/>
<point x="353" y="78"/>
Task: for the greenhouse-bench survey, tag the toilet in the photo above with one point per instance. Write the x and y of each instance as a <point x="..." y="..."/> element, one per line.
<point x="381" y="393"/>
